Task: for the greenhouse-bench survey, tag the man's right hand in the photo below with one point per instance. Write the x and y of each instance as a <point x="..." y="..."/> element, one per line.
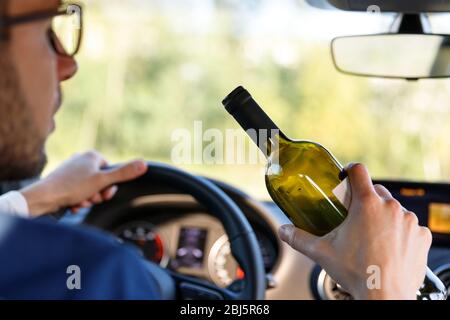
<point x="378" y="234"/>
<point x="81" y="181"/>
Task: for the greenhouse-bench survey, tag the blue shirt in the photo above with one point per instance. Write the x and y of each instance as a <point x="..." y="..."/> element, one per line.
<point x="44" y="260"/>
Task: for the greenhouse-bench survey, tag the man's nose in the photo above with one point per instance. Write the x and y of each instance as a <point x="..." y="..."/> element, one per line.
<point x="67" y="67"/>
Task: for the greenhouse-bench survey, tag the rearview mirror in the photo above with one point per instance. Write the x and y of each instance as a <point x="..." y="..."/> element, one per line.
<point x="404" y="56"/>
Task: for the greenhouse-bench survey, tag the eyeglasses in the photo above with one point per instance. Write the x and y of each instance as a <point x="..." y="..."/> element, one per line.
<point x="66" y="31"/>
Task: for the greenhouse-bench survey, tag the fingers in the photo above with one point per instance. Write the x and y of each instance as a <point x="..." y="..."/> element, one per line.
<point x="96" y="199"/>
<point x="96" y="157"/>
<point x="301" y="241"/>
<point x="427" y="236"/>
<point x="78" y="207"/>
<point x="104" y="195"/>
<point x="85" y="204"/>
<point x="103" y="162"/>
<point x="75" y="209"/>
<point x="386" y="195"/>
<point x="125" y="172"/>
<point x="382" y="191"/>
<point x="411" y="217"/>
<point x="97" y="183"/>
<point x="109" y="193"/>
<point x="360" y="180"/>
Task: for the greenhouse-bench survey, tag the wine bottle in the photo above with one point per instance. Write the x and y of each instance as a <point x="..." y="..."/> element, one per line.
<point x="303" y="178"/>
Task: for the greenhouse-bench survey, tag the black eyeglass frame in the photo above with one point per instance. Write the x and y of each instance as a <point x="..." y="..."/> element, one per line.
<point x="66" y="9"/>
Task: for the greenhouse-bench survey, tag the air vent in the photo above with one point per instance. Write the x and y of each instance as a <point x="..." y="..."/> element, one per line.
<point x="327" y="289"/>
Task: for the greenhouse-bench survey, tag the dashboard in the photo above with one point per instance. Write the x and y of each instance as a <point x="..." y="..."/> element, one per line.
<point x="174" y="231"/>
<point x="193" y="244"/>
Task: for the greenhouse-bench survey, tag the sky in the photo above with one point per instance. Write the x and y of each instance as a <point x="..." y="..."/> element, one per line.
<point x="284" y="18"/>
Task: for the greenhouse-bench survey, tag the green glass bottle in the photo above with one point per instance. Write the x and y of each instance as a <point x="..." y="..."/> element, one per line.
<point x="303" y="178"/>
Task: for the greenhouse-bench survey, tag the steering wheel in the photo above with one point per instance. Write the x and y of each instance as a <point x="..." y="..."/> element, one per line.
<point x="243" y="243"/>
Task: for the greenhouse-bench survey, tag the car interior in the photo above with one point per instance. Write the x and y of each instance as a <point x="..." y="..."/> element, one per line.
<point x="206" y="227"/>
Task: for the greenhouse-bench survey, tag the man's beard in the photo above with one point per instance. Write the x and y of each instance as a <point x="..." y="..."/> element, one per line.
<point x="22" y="154"/>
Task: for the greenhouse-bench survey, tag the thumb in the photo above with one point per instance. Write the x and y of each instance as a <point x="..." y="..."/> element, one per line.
<point x="300" y="240"/>
<point x="360" y="180"/>
<point x="125" y="172"/>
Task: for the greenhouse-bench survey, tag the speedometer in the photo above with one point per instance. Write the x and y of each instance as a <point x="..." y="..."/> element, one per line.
<point x="223" y="268"/>
<point x="144" y="236"/>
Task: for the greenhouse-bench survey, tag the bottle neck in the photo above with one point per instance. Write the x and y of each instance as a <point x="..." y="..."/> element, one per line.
<point x="252" y="118"/>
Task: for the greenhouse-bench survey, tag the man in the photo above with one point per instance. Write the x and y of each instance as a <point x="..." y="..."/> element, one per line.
<point x="38" y="257"/>
<point x="33" y="63"/>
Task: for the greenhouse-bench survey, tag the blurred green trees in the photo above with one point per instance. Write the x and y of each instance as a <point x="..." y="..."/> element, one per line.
<point x="144" y="73"/>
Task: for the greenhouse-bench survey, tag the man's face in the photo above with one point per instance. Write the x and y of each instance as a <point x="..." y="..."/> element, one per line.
<point x="30" y="94"/>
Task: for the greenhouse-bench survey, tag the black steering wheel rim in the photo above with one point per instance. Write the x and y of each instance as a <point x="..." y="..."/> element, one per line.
<point x="243" y="241"/>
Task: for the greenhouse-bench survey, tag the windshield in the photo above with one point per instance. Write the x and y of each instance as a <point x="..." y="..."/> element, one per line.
<point x="149" y="69"/>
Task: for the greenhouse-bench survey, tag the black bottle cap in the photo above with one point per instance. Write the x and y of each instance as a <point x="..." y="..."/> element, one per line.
<point x="235" y="99"/>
